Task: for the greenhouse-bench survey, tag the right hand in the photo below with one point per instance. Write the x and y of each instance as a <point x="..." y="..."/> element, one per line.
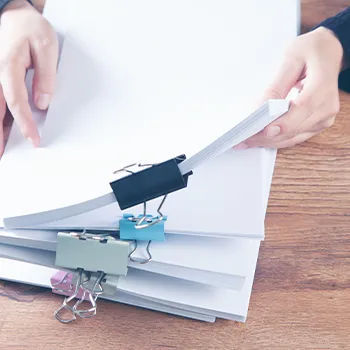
<point x="312" y="66"/>
<point x="27" y="40"/>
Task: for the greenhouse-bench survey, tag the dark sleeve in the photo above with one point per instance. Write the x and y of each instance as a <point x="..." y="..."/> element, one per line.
<point x="340" y="26"/>
<point x="3" y="3"/>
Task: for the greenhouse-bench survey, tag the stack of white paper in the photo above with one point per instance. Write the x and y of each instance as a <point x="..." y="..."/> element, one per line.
<point x="146" y="82"/>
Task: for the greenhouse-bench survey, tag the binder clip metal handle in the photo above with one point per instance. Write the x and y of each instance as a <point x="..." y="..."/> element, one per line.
<point x="65" y="305"/>
<point x="92" y="295"/>
<point x="151" y="220"/>
<point x="138" y="260"/>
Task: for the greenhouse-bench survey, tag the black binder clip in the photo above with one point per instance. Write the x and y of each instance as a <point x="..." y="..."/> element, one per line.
<point x="155" y="181"/>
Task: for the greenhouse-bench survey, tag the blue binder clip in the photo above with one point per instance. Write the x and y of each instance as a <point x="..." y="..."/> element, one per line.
<point x="144" y="227"/>
<point x="130" y="228"/>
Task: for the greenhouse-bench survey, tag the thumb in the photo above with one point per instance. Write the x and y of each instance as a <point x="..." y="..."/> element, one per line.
<point x="45" y="58"/>
<point x="286" y="77"/>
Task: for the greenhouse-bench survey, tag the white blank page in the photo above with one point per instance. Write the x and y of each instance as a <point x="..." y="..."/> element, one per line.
<point x="150" y="81"/>
<point x="224" y="198"/>
<point x="176" y="292"/>
<point x="21" y="272"/>
<point x="219" y="302"/>
<point x="222" y="262"/>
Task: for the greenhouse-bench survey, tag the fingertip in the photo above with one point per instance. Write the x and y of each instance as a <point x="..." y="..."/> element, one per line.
<point x="32" y="135"/>
<point x="272" y="130"/>
<point x="28" y="128"/>
<point x="241" y="146"/>
<point x="35" y="143"/>
<point x="42" y="100"/>
<point x="34" y="140"/>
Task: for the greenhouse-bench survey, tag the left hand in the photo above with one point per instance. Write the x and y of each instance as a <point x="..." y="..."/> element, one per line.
<point x="27" y="40"/>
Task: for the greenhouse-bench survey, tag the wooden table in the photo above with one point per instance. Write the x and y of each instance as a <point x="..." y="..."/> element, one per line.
<point x="301" y="295"/>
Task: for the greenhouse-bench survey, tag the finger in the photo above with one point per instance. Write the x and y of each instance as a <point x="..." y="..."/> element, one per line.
<point x="309" y="112"/>
<point x="279" y="130"/>
<point x="272" y="130"/>
<point x="294" y="140"/>
<point x="287" y="76"/>
<point x="325" y="124"/>
<point x="2" y="117"/>
<point x="300" y="84"/>
<point x="44" y="58"/>
<point x="272" y="142"/>
<point x="16" y="96"/>
<point x="304" y="113"/>
<point x="291" y="123"/>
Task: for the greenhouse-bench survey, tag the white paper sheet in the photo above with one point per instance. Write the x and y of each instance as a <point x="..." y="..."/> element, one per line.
<point x="137" y="98"/>
<point x="17" y="271"/>
<point x="220" y="262"/>
<point x="220" y="302"/>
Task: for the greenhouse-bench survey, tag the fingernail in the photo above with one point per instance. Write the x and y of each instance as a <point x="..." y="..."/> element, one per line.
<point x="241" y="146"/>
<point x="34" y="142"/>
<point x="43" y="101"/>
<point x="273" y="131"/>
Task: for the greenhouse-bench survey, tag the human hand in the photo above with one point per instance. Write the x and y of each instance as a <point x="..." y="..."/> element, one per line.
<point x="312" y="65"/>
<point x="27" y="40"/>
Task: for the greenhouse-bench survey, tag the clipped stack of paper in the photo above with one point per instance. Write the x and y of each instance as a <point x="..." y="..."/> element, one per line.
<point x="149" y="82"/>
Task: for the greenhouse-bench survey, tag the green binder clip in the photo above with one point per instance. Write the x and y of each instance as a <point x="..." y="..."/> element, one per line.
<point x="97" y="260"/>
<point x="92" y="253"/>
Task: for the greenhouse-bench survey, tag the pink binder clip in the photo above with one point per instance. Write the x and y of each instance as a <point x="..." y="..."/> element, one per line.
<point x="62" y="284"/>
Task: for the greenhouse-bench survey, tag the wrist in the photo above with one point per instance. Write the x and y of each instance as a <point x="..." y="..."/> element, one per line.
<point x="333" y="44"/>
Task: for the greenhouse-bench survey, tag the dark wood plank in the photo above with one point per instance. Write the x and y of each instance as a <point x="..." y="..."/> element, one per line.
<point x="301" y="294"/>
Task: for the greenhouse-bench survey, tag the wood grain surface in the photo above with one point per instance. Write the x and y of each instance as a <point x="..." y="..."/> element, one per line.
<point x="301" y="294"/>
